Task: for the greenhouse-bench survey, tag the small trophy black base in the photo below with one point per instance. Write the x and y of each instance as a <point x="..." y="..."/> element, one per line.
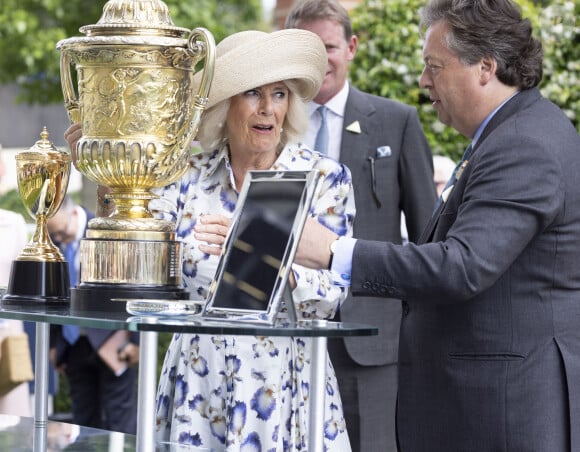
<point x="35" y="283"/>
<point x="112" y="297"/>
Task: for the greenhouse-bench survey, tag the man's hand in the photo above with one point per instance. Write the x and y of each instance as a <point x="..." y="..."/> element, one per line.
<point x="129" y="353"/>
<point x="314" y="246"/>
<point x="72" y="135"/>
<point x="52" y="358"/>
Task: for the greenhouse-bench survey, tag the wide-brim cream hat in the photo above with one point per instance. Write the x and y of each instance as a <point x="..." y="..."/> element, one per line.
<point x="250" y="59"/>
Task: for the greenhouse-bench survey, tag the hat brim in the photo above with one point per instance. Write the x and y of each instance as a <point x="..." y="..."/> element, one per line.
<point x="250" y="59"/>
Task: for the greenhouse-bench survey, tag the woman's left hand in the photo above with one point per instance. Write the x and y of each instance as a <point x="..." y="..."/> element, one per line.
<point x="212" y="229"/>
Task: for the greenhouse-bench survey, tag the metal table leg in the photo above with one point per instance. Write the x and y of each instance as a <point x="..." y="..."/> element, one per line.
<point x="41" y="387"/>
<point x="317" y="392"/>
<point x="147" y="391"/>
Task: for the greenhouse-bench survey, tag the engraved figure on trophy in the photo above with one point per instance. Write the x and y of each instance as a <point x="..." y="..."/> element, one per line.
<point x="139" y="101"/>
<point x="40" y="273"/>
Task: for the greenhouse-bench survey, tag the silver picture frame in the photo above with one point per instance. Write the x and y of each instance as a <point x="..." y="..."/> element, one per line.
<point x="251" y="280"/>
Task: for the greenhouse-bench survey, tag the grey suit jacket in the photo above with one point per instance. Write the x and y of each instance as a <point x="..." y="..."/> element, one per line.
<point x="490" y="338"/>
<point x="404" y="182"/>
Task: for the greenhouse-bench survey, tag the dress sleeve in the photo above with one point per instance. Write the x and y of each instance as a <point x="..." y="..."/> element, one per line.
<point x="165" y="206"/>
<point x="315" y="294"/>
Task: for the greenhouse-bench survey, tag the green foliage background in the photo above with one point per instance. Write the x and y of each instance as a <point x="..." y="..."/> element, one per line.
<point x="30" y="29"/>
<point x="389" y="59"/>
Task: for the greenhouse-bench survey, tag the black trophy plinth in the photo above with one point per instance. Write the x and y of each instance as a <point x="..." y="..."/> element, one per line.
<point x="34" y="283"/>
<point x="112" y="297"/>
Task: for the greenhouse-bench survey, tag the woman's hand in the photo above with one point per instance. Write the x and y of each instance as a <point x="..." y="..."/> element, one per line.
<point x="72" y="135"/>
<point x="212" y="229"/>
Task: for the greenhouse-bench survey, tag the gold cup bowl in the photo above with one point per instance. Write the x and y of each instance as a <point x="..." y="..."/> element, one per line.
<point x="140" y="101"/>
<point x="136" y="101"/>
<point x="42" y="174"/>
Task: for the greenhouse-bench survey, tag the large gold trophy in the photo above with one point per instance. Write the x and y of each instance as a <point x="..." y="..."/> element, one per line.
<point x="40" y="273"/>
<point x="140" y="107"/>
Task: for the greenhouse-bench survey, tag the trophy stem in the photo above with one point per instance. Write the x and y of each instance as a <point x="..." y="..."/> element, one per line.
<point x="41" y="232"/>
<point x="130" y="204"/>
<point x="41" y="248"/>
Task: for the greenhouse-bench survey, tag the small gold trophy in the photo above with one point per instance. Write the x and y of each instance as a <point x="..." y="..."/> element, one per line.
<point x="40" y="273"/>
<point x="140" y="101"/>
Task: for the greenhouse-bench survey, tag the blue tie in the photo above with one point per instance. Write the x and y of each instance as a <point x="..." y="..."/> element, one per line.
<point x="321" y="143"/>
<point x="70" y="256"/>
<point x="453" y="177"/>
<point x="71" y="332"/>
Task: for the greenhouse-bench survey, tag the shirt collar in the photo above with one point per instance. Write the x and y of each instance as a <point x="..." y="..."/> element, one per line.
<point x="336" y="105"/>
<point x="220" y="156"/>
<point x="485" y="122"/>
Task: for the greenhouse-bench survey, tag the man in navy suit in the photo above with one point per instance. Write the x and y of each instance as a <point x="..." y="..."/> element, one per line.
<point x="383" y="145"/>
<point x="102" y="396"/>
<point x="489" y="349"/>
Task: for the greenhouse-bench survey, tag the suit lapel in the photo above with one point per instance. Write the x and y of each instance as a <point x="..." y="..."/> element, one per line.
<point x="355" y="146"/>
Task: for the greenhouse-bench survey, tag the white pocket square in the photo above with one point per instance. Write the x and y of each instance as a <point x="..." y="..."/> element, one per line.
<point x="384" y="151"/>
<point x="354" y="127"/>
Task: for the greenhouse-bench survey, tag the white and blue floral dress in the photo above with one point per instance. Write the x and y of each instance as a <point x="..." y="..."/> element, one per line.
<point x="246" y="393"/>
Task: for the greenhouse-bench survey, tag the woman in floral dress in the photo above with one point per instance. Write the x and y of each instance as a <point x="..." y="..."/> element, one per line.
<point x="241" y="393"/>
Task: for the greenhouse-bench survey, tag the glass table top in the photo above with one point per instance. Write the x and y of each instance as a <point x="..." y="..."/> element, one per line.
<point x="17" y="435"/>
<point x="180" y="323"/>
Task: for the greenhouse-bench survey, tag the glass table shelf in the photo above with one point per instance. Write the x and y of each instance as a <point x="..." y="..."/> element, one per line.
<point x="183" y="323"/>
<point x="17" y="435"/>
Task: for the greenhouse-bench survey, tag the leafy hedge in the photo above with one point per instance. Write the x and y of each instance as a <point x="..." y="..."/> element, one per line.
<point x="389" y="60"/>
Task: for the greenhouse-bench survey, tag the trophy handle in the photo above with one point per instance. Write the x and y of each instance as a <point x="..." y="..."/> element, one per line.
<point x="205" y="45"/>
<point x="70" y="98"/>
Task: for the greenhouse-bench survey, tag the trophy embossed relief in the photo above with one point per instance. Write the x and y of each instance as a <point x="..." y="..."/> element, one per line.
<point x="140" y="109"/>
<point x="40" y="273"/>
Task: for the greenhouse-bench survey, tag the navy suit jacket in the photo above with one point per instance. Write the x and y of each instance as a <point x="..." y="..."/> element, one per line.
<point x="489" y="354"/>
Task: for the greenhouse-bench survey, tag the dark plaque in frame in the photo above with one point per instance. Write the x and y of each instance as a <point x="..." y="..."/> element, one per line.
<point x="251" y="280"/>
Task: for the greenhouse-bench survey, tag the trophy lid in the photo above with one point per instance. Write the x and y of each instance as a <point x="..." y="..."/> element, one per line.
<point x="43" y="147"/>
<point x="135" y="17"/>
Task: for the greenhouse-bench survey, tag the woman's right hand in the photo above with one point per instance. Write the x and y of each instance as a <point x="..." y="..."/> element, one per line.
<point x="72" y="135"/>
<point x="212" y="229"/>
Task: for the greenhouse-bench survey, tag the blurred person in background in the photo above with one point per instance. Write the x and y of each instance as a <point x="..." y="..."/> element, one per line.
<point x="14" y="239"/>
<point x="443" y="168"/>
<point x="102" y="396"/>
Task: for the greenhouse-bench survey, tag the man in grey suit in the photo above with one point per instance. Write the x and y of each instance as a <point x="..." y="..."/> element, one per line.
<point x="383" y="145"/>
<point x="489" y="349"/>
